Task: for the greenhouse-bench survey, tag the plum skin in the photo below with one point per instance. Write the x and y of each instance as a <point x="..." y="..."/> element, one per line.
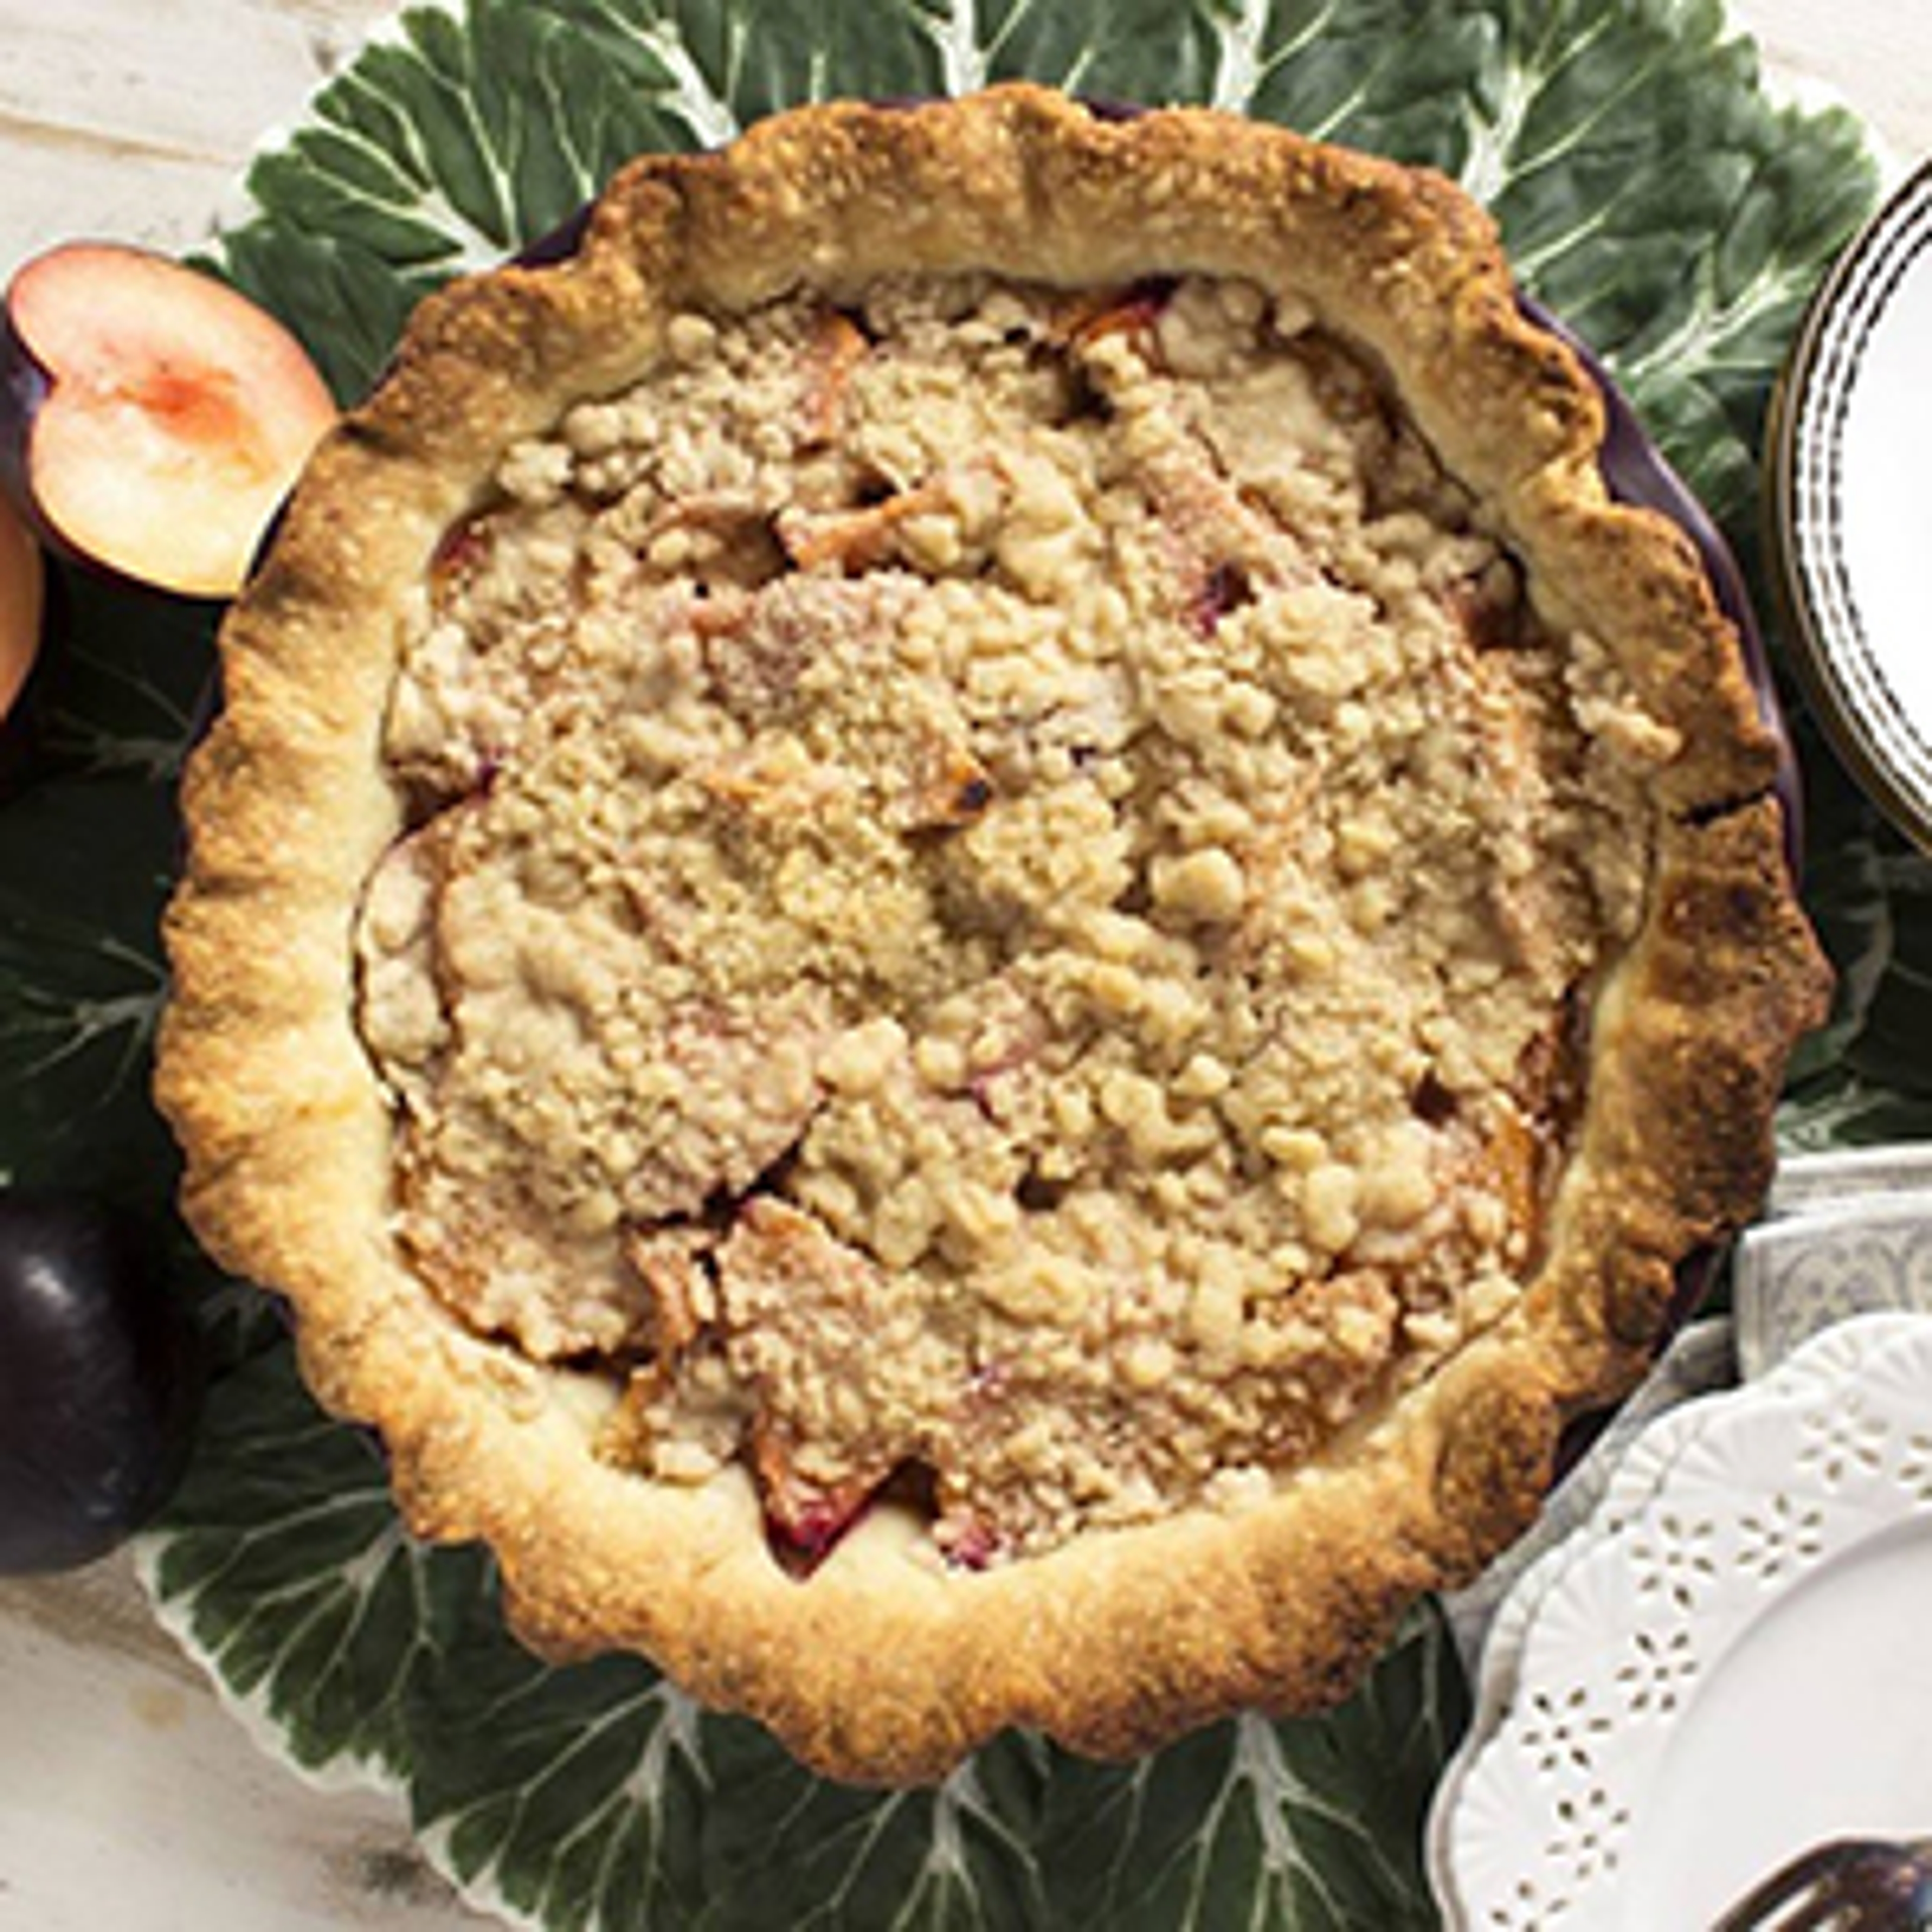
<point x="100" y="1380"/>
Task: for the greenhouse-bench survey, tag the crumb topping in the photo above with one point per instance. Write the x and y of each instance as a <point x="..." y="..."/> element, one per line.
<point x="1004" y="890"/>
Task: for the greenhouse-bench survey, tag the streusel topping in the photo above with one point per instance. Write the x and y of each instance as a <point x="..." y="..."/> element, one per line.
<point x="1002" y="890"/>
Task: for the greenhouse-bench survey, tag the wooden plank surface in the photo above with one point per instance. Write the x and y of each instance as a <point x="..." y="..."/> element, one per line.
<point x="129" y="1801"/>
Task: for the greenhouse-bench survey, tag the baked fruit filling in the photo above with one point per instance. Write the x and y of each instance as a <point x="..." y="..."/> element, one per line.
<point x="1002" y="894"/>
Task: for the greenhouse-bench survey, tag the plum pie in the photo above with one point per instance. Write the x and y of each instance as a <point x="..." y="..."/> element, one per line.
<point x="968" y="929"/>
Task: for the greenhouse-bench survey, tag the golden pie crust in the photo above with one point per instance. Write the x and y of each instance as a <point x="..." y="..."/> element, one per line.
<point x="1646" y="967"/>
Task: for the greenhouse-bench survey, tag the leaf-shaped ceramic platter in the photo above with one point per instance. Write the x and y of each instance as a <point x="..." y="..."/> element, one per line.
<point x="1617" y="143"/>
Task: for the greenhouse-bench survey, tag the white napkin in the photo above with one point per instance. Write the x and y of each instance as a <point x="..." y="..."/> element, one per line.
<point x="1844" y="1234"/>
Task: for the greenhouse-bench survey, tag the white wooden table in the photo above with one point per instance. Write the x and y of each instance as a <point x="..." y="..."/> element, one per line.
<point x="129" y="1801"/>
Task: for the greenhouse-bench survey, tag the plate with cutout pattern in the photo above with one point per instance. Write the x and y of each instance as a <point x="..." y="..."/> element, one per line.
<point x="1688" y="1390"/>
<point x="1728" y="1673"/>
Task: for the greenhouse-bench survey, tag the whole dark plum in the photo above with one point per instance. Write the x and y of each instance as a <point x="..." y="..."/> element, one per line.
<point x="99" y="1380"/>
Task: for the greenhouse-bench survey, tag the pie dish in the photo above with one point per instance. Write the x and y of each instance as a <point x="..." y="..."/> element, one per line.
<point x="967" y="929"/>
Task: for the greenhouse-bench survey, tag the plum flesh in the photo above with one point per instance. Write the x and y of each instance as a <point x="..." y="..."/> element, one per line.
<point x="154" y="418"/>
<point x="22" y="603"/>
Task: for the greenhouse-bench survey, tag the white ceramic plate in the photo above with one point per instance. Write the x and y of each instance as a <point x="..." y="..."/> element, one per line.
<point x="1737" y="1667"/>
<point x="1622" y="1477"/>
<point x="1851" y="431"/>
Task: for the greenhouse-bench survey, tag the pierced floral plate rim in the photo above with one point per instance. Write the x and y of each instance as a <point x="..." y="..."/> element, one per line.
<point x="1560" y="1810"/>
<point x="1617" y="1489"/>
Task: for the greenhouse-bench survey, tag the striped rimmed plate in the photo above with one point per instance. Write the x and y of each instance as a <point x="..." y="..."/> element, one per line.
<point x="1851" y="505"/>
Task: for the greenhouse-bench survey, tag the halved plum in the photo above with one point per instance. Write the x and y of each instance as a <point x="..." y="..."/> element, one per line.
<point x="154" y="418"/>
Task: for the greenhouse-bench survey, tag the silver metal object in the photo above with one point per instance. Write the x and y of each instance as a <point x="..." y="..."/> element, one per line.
<point x="1859" y="1884"/>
